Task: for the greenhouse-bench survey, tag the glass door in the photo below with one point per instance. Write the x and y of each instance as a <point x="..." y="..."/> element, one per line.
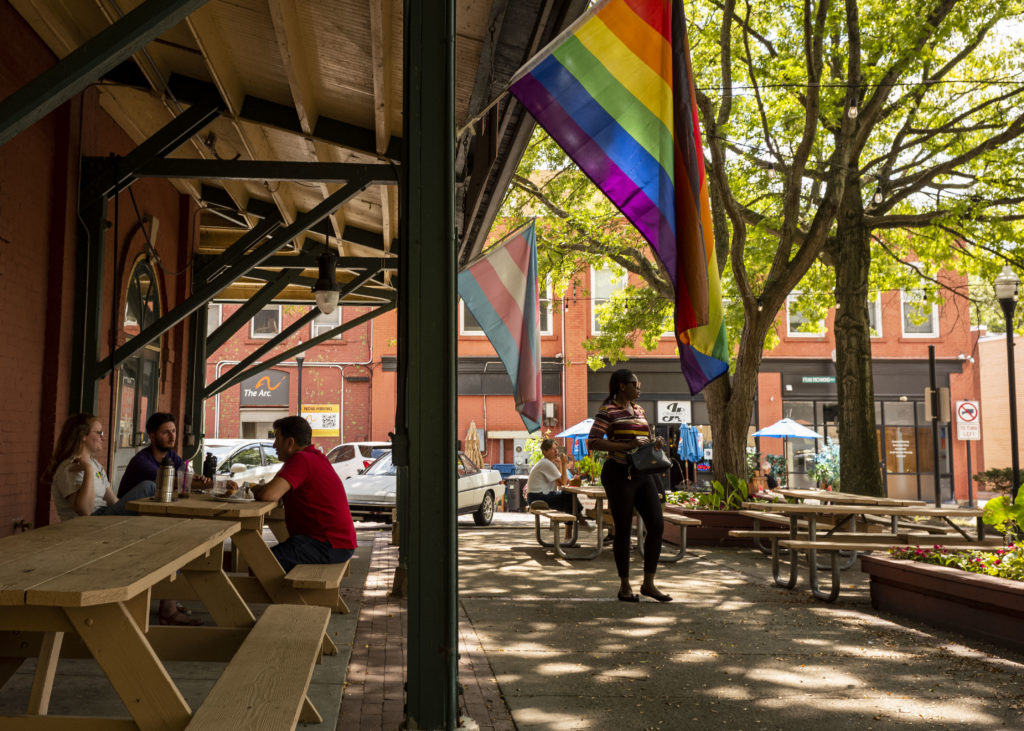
<point x="139" y="375"/>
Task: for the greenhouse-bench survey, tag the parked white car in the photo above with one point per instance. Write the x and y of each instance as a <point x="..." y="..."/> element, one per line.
<point x="244" y="460"/>
<point x="351" y="458"/>
<point x="373" y="492"/>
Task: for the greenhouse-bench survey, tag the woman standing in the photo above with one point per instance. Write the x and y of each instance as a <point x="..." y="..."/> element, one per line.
<point x="619" y="427"/>
<point x="79" y="484"/>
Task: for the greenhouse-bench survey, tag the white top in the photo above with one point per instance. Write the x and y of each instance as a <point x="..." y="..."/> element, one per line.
<point x="66" y="483"/>
<point x="543" y="476"/>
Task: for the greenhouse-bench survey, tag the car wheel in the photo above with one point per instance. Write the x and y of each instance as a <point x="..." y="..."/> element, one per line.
<point x="485" y="513"/>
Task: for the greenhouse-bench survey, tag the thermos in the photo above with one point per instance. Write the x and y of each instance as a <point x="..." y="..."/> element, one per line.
<point x="210" y="465"/>
<point x="165" y="481"/>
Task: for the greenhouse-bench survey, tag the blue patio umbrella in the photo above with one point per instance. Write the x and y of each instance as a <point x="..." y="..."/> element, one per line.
<point x="578" y="433"/>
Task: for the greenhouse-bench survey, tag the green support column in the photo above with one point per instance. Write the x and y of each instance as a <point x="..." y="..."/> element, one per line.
<point x="194" y="426"/>
<point x="85" y="345"/>
<point x="428" y="341"/>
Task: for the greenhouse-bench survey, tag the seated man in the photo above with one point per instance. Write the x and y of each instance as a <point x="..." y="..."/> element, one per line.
<point x="163" y="435"/>
<point x="320" y="528"/>
<point x="546" y="477"/>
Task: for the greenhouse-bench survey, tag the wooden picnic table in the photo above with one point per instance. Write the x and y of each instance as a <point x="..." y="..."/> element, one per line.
<point x="840" y="514"/>
<point x="596" y="493"/>
<point x="91" y="578"/>
<point x="849" y="498"/>
<point x="267" y="584"/>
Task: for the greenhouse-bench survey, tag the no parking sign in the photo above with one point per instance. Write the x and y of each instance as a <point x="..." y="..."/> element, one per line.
<point x="968" y="420"/>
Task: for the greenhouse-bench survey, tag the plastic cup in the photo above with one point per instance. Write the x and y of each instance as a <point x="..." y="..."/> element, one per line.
<point x="184" y="478"/>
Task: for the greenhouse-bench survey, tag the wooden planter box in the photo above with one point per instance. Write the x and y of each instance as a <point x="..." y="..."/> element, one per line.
<point x="986" y="607"/>
<point x="713" y="530"/>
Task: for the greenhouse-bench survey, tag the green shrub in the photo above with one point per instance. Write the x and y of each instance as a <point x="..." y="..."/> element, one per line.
<point x="997" y="479"/>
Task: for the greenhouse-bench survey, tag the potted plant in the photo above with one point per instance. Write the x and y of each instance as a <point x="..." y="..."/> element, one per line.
<point x="978" y="593"/>
<point x="717" y="510"/>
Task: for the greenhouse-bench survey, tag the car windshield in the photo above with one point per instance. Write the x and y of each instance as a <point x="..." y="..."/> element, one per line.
<point x="219" y="451"/>
<point x="382" y="466"/>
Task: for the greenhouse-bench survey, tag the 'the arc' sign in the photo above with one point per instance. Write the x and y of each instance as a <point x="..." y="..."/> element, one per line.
<point x="268" y="388"/>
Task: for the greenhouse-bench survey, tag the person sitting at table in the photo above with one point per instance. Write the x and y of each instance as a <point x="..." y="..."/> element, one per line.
<point x="316" y="513"/>
<point x="620" y="426"/>
<point x="163" y="435"/>
<point x="546" y="477"/>
<point x="79" y="486"/>
<point x="78" y="483"/>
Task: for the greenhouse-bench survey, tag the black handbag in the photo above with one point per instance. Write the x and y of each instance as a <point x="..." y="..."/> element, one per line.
<point x="648" y="459"/>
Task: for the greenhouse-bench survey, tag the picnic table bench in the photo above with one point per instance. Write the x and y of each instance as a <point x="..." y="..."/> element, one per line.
<point x="82" y="588"/>
<point x="803" y="535"/>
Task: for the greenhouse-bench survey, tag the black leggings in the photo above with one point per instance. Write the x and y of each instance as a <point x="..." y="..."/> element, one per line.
<point x="624" y="494"/>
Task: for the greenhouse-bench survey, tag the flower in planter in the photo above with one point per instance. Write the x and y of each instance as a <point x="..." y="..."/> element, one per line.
<point x="1006" y="563"/>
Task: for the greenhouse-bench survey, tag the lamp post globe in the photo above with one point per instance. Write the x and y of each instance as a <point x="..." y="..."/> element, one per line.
<point x="1006" y="287"/>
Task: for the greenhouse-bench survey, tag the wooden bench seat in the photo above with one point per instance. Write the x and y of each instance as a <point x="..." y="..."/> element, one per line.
<point x="683" y="521"/>
<point x="676" y="519"/>
<point x="834" y="547"/>
<point x="318" y="575"/>
<point x="265" y="684"/>
<point x="320" y="582"/>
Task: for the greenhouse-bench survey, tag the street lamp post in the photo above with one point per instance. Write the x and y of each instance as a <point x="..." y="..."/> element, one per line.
<point x="300" y="359"/>
<point x="1006" y="286"/>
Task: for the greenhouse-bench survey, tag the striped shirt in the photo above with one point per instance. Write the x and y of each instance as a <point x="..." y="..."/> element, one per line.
<point x="616" y="424"/>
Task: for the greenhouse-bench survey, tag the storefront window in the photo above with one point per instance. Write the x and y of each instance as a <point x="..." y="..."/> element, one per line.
<point x="899" y="412"/>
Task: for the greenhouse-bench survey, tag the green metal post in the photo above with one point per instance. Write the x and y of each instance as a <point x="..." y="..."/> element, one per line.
<point x="429" y="390"/>
<point x="88" y="306"/>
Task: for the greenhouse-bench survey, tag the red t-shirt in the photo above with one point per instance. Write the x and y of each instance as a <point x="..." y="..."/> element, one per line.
<point x="316" y="506"/>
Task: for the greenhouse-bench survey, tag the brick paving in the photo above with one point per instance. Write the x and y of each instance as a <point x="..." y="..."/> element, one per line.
<point x="374" y="695"/>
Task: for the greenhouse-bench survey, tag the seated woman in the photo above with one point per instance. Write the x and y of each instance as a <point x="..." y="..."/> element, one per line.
<point x="79" y="486"/>
<point x="546" y="477"/>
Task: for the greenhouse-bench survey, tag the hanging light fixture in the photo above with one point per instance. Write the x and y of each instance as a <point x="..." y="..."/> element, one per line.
<point x="326" y="288"/>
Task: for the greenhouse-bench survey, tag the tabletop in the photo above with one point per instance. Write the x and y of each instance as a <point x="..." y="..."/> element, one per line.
<point x="835" y="496"/>
<point x="96" y="560"/>
<point x="203" y="506"/>
<point x="898" y="510"/>
<point x="591" y="491"/>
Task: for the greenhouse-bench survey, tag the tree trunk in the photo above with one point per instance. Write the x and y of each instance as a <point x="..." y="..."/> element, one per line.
<point x="859" y="467"/>
<point x="731" y="401"/>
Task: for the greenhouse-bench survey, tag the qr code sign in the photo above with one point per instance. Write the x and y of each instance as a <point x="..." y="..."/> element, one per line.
<point x="328" y="421"/>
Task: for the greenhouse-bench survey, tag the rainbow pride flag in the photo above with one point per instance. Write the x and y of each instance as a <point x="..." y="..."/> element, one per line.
<point x="500" y="290"/>
<point x="615" y="91"/>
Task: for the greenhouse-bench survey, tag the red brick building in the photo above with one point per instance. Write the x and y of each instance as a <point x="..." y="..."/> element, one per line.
<point x="797" y="379"/>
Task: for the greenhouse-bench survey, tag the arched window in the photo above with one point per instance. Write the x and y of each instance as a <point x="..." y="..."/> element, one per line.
<point x="139" y="375"/>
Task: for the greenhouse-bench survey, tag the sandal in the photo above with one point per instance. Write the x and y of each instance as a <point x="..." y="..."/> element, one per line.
<point x="628" y="598"/>
<point x="655" y="594"/>
<point x="180" y="619"/>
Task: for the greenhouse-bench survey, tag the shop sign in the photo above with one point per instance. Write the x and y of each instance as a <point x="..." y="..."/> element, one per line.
<point x="817" y="379"/>
<point x="968" y="420"/>
<point x="324" y="418"/>
<point x="674" y="412"/>
<point x="267" y="388"/>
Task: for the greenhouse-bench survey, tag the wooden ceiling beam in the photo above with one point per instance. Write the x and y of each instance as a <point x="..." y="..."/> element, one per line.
<point x="219" y="62"/>
<point x="383" y="68"/>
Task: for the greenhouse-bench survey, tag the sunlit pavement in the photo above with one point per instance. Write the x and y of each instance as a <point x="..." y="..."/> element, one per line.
<point x="544" y="644"/>
<point x="732" y="650"/>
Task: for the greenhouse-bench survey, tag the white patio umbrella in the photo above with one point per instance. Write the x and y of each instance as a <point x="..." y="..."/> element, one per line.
<point x="784" y="429"/>
<point x="577" y="430"/>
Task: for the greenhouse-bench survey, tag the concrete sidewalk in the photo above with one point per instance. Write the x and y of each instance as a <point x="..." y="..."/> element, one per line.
<point x="731" y="651"/>
<point x="544" y="644"/>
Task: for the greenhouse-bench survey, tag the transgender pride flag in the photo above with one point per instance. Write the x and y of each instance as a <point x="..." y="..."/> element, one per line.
<point x="500" y="289"/>
<point x="616" y="92"/>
